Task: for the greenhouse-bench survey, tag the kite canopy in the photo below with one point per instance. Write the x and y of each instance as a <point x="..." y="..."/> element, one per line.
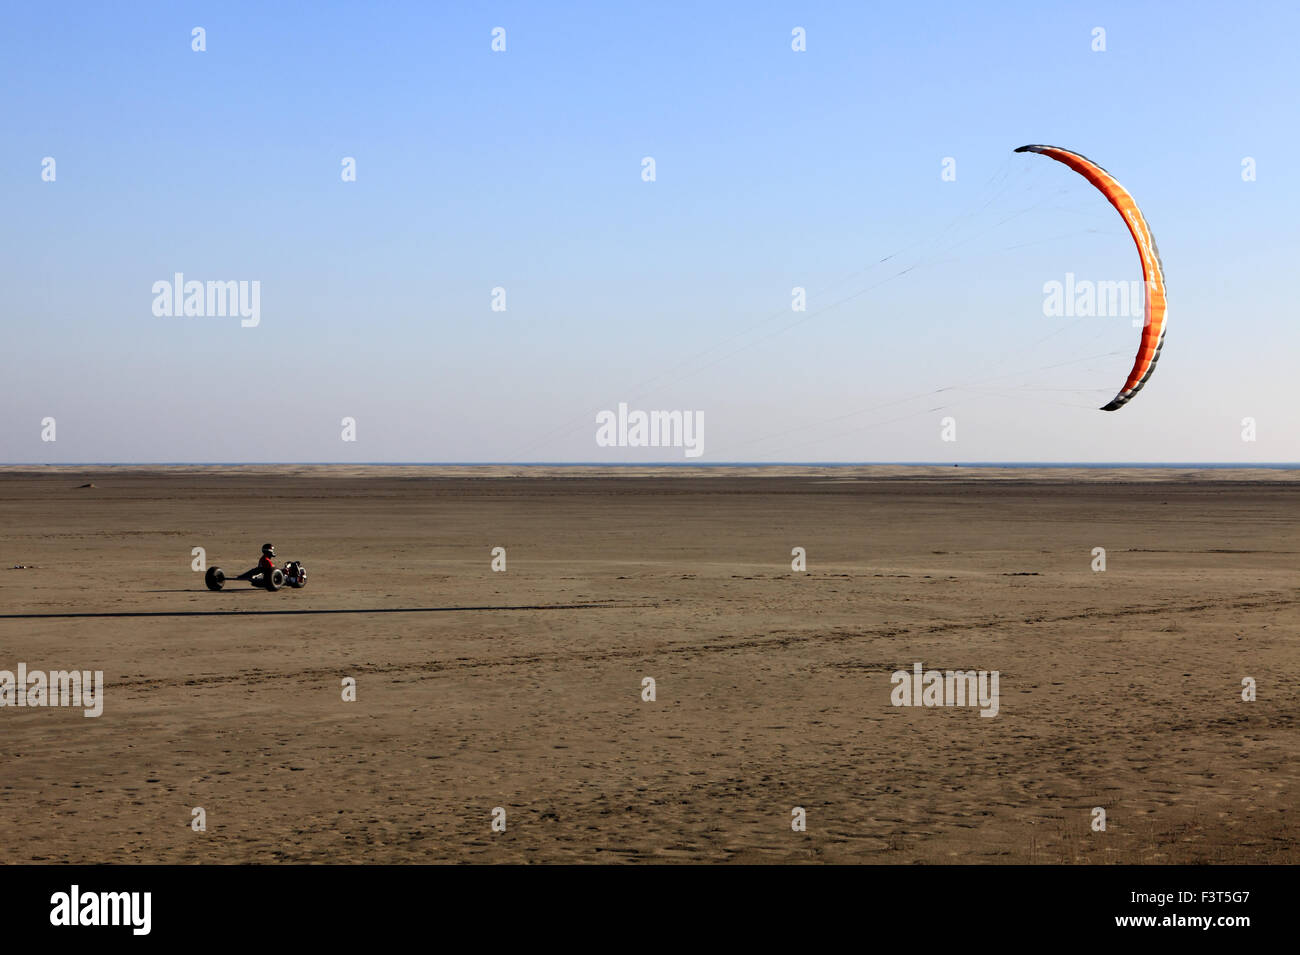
<point x="1153" y="273"/>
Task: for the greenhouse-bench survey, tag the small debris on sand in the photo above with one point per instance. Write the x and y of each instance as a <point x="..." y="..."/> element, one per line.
<point x="85" y="485"/>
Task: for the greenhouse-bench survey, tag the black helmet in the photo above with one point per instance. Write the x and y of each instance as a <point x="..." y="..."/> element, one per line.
<point x="268" y="550"/>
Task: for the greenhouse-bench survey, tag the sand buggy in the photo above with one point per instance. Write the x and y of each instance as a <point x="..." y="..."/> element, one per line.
<point x="292" y="574"/>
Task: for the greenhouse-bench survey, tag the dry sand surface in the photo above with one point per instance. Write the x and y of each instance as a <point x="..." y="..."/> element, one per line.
<point x="1119" y="689"/>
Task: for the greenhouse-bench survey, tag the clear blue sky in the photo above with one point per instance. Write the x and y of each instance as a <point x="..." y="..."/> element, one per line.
<point x="522" y="170"/>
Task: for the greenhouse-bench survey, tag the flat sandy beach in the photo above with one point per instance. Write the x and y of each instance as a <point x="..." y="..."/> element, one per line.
<point x="522" y="689"/>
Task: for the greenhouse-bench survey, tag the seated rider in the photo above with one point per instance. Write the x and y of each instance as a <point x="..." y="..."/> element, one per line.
<point x="264" y="563"/>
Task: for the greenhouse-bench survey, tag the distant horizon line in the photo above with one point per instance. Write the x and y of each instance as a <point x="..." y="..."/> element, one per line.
<point x="1273" y="465"/>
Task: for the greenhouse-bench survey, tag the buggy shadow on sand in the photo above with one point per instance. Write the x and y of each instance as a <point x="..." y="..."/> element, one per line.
<point x="294" y="574"/>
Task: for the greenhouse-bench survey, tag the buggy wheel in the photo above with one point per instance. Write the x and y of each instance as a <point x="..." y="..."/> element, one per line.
<point x="214" y="578"/>
<point x="275" y="579"/>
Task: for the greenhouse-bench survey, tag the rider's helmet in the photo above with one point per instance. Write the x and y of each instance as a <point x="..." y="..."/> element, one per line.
<point x="268" y="550"/>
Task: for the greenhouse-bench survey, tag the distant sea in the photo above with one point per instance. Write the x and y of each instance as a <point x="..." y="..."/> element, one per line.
<point x="1178" y="465"/>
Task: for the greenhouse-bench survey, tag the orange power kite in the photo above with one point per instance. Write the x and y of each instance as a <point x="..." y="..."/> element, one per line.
<point x="1153" y="273"/>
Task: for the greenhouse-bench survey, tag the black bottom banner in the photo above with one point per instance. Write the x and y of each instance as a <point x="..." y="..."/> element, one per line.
<point x="214" y="903"/>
